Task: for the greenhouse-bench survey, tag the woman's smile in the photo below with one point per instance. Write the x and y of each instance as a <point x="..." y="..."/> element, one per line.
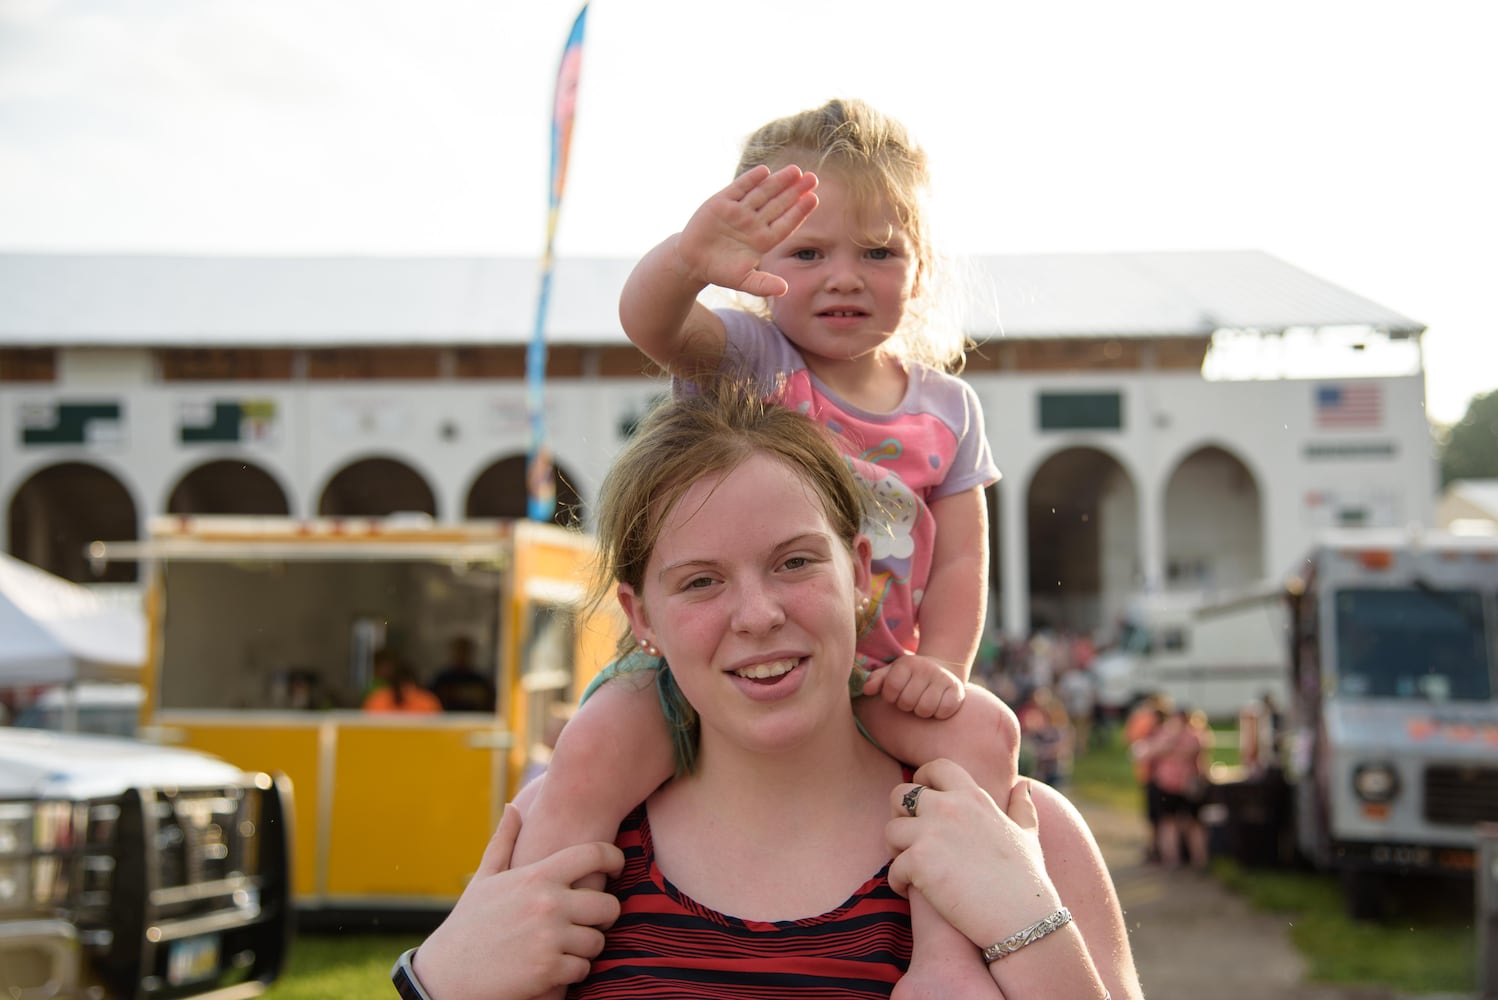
<point x="771" y="681"/>
<point x="767" y="671"/>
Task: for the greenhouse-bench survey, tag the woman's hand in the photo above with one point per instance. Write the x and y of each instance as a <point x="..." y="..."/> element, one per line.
<point x="725" y="239"/>
<point x="980" y="866"/>
<point x="517" y="933"/>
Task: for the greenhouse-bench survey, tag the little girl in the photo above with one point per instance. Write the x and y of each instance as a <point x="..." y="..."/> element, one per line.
<point x="842" y="258"/>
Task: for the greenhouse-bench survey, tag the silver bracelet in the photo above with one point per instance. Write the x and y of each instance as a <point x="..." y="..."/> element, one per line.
<point x="1029" y="935"/>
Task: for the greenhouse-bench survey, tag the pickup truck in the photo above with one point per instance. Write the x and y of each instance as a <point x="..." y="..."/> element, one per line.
<point x="130" y="871"/>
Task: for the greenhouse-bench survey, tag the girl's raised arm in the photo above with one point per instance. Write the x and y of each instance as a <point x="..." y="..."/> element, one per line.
<point x="722" y="245"/>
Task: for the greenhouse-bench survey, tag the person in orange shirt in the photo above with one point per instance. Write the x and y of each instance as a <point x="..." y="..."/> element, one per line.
<point x="402" y="694"/>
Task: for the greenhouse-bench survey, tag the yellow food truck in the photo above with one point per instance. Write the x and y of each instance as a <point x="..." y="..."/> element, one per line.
<point x="263" y="639"/>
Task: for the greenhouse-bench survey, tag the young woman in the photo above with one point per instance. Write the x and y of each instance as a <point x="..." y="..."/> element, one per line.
<point x="778" y="867"/>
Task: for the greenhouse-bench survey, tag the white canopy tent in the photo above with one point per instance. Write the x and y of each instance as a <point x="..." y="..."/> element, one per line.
<point x="56" y="632"/>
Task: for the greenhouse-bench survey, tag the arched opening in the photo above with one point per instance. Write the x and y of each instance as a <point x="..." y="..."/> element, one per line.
<point x="228" y="486"/>
<point x="59" y="510"/>
<point x="499" y="491"/>
<point x="993" y="499"/>
<point x="1083" y="540"/>
<point x="376" y="487"/>
<point x="1213" y="527"/>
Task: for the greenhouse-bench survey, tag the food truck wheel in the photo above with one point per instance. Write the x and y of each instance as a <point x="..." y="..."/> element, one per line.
<point x="1366" y="895"/>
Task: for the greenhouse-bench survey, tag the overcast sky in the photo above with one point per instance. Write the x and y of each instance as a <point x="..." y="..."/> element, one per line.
<point x="1353" y="139"/>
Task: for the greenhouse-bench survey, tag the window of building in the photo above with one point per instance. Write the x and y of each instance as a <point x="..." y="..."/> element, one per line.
<point x="1081" y="411"/>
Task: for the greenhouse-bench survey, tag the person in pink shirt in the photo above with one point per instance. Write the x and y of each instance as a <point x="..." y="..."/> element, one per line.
<point x="1180" y="759"/>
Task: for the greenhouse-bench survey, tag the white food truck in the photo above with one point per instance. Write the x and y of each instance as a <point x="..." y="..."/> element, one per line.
<point x="1394" y="727"/>
<point x="1217" y="655"/>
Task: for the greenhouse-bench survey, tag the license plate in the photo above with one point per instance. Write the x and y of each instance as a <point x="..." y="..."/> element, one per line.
<point x="192" y="959"/>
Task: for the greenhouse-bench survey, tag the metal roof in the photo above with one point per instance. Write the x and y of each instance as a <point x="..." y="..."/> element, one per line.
<point x="300" y="301"/>
<point x="1166" y="295"/>
<point x="186" y="301"/>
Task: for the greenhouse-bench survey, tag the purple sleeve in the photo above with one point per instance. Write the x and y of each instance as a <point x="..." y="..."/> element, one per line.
<point x="752" y="348"/>
<point x="972" y="464"/>
<point x="756" y="346"/>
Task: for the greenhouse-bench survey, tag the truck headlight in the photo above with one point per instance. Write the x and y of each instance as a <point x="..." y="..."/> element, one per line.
<point x="1376" y="782"/>
<point x="16" y="820"/>
<point x="36" y="839"/>
<point x="15" y="855"/>
<point x="15" y="884"/>
<point x="35" y="828"/>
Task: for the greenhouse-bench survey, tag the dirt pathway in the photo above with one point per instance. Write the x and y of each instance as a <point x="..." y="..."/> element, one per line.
<point x="1192" y="938"/>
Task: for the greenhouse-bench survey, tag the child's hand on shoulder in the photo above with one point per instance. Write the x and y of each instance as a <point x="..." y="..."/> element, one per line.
<point x="919" y="685"/>
<point x="727" y="237"/>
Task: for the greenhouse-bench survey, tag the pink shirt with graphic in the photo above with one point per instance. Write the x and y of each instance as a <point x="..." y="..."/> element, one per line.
<point x="930" y="446"/>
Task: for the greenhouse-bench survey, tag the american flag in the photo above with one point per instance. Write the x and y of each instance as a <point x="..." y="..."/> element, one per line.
<point x="1349" y="404"/>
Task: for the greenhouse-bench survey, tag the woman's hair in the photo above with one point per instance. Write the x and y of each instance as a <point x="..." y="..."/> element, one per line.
<point x="876" y="157"/>
<point x="709" y="429"/>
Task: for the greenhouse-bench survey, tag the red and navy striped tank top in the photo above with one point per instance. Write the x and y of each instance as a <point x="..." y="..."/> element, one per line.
<point x="665" y="944"/>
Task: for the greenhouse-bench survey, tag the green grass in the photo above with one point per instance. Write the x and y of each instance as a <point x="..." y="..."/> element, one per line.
<point x="341" y="966"/>
<point x="1105" y="775"/>
<point x="1429" y="946"/>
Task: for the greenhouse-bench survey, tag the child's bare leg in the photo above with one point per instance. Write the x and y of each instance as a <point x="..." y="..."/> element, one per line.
<point x="1170" y="842"/>
<point x="608" y="759"/>
<point x="1196" y="839"/>
<point x="984" y="738"/>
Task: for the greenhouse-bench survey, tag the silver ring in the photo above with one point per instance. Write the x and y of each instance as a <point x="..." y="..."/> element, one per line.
<point x="911" y="798"/>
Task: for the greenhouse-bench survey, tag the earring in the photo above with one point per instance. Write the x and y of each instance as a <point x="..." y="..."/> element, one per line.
<point x="864" y="617"/>
<point x="648" y="649"/>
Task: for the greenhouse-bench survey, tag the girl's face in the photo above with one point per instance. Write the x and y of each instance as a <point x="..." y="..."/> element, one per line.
<point x="851" y="270"/>
<point x="750" y="597"/>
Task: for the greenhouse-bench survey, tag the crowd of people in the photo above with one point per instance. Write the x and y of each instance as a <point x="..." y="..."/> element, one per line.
<point x="1049" y="682"/>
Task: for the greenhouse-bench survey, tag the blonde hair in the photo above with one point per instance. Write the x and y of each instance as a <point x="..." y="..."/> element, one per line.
<point x="879" y="161"/>
<point x="709" y="430"/>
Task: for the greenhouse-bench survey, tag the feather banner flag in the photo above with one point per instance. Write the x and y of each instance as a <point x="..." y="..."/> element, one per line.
<point x="540" y="479"/>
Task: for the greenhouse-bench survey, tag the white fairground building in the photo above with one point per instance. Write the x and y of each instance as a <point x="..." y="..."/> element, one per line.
<point x="135" y="386"/>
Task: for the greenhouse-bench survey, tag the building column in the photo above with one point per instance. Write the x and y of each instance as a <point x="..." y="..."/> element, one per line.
<point x="1015" y="571"/>
<point x="1151" y="539"/>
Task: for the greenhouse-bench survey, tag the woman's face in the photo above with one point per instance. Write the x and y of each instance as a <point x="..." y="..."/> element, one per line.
<point x="750" y="597"/>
